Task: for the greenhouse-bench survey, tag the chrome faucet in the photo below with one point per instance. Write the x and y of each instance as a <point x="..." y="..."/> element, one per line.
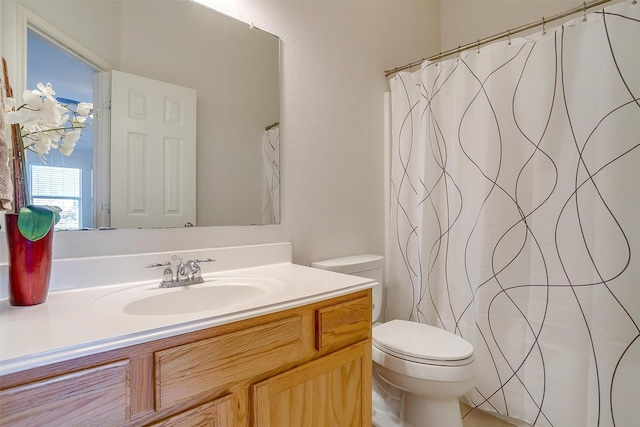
<point x="189" y="270"/>
<point x="187" y="273"/>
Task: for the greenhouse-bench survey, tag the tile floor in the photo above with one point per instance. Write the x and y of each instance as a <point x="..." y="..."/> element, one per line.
<point x="476" y="418"/>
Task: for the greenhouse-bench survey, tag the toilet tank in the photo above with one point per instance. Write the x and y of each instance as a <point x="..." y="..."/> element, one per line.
<point x="369" y="266"/>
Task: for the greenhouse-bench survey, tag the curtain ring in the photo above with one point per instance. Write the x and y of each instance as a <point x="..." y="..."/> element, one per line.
<point x="509" y="35"/>
<point x="544" y="30"/>
<point x="584" y="11"/>
<point x="478" y="46"/>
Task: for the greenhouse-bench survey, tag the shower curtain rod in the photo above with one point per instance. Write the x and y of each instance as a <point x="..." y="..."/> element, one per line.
<point x="271" y="126"/>
<point x="508" y="33"/>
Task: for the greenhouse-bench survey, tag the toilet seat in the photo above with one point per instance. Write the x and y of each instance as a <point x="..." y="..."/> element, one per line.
<point x="420" y="343"/>
<point x="424" y="361"/>
<point x="424" y="371"/>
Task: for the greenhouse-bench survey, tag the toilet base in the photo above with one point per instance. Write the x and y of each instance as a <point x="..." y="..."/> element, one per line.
<point x="386" y="402"/>
<point x="422" y="412"/>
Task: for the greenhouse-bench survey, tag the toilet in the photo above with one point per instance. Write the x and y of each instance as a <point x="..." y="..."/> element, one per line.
<point x="424" y="368"/>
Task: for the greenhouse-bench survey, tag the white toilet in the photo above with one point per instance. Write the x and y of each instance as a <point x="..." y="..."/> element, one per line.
<point x="431" y="366"/>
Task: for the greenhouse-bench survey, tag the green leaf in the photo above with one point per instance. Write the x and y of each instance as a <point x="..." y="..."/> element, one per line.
<point x="35" y="221"/>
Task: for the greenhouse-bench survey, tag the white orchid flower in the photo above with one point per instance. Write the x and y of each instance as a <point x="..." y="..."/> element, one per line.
<point x="19" y="116"/>
<point x="41" y="144"/>
<point x="32" y="100"/>
<point x="50" y="111"/>
<point x="44" y="140"/>
<point x="32" y="133"/>
<point x="45" y="123"/>
<point x="71" y="137"/>
<point x="67" y="149"/>
<point x="69" y="142"/>
<point x="84" y="109"/>
<point x="78" y="121"/>
<point x="46" y="91"/>
<point x="63" y="119"/>
<point x="55" y="136"/>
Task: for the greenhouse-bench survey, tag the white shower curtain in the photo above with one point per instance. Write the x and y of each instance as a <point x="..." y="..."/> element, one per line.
<point x="271" y="181"/>
<point x="515" y="216"/>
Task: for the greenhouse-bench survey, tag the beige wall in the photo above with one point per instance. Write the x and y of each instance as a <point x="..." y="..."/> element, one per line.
<point x="463" y="21"/>
<point x="333" y="58"/>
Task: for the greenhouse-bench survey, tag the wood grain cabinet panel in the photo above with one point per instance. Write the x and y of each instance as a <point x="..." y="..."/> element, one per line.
<point x="206" y="368"/>
<point x="305" y="366"/>
<point x="330" y="391"/>
<point x="91" y="397"/>
<point x="218" y="413"/>
<point x="343" y="324"/>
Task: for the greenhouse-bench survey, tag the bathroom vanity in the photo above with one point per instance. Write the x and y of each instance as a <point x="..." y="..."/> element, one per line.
<point x="300" y="355"/>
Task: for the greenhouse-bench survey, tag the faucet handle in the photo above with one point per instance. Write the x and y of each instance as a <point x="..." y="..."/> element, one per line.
<point x="194" y="270"/>
<point x="157" y="265"/>
<point x="203" y="260"/>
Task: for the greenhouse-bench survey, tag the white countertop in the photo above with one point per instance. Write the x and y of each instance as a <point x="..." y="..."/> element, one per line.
<point x="71" y="323"/>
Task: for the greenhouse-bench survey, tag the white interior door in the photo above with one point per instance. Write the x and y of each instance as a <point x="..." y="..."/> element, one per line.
<point x="153" y="153"/>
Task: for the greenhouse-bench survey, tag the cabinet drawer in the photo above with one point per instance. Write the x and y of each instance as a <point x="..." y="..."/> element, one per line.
<point x="91" y="397"/>
<point x="207" y="368"/>
<point x="343" y="324"/>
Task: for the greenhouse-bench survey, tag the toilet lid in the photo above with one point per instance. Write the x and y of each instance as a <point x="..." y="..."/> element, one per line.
<point x="420" y="341"/>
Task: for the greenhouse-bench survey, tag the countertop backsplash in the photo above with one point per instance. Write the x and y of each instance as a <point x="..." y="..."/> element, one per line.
<point x="111" y="270"/>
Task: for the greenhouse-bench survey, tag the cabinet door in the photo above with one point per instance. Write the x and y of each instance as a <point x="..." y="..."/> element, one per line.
<point x="331" y="391"/>
<point x="213" y="414"/>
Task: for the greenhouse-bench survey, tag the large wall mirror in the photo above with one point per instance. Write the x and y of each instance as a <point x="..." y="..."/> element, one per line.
<point x="178" y="60"/>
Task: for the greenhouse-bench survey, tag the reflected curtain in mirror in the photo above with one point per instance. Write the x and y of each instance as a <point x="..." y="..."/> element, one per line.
<point x="271" y="167"/>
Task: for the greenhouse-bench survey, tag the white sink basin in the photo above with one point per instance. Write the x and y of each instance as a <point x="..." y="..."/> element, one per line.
<point x="217" y="294"/>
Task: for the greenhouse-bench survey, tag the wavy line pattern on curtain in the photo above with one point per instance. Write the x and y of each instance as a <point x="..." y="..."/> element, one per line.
<point x="515" y="216"/>
<point x="271" y="168"/>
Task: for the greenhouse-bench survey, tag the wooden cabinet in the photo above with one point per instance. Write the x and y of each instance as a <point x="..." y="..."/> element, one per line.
<point x="306" y="366"/>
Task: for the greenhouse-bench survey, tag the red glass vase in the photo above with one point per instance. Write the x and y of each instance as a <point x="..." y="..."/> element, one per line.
<point x="29" y="265"/>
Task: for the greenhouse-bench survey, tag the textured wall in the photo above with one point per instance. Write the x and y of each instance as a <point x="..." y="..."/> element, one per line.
<point x="463" y="21"/>
<point x="334" y="55"/>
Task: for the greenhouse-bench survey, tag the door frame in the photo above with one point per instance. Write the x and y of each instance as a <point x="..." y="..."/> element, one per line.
<point x="26" y="19"/>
